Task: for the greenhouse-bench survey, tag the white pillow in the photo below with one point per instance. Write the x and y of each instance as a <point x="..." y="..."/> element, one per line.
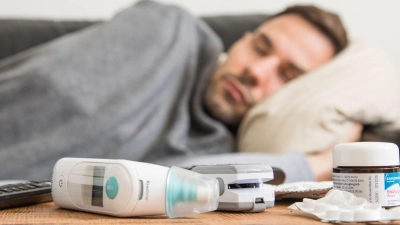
<point x="313" y="111"/>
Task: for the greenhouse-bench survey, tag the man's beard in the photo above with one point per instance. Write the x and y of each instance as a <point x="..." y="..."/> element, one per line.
<point x="245" y="81"/>
<point x="220" y="105"/>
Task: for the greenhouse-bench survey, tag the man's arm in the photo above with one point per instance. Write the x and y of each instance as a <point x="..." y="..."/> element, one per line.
<point x="297" y="166"/>
<point x="321" y="162"/>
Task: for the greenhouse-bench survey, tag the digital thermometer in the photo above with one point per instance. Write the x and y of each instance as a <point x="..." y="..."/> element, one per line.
<point x="126" y="188"/>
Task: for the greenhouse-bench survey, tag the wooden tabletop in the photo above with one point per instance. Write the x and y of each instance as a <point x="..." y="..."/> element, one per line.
<point x="49" y="213"/>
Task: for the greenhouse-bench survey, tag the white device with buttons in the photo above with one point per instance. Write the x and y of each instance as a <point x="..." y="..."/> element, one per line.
<point x="126" y="188"/>
<point x="242" y="186"/>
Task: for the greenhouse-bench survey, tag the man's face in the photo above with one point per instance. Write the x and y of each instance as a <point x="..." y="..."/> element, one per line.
<point x="260" y="63"/>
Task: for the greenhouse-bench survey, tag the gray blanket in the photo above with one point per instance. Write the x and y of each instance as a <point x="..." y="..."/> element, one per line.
<point x="129" y="88"/>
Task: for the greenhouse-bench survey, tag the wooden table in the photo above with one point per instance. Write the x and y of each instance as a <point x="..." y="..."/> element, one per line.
<point x="49" y="213"/>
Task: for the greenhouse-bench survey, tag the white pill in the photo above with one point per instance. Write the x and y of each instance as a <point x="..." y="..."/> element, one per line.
<point x="333" y="214"/>
<point x="320" y="208"/>
<point x="331" y="192"/>
<point x="347" y="195"/>
<point x="308" y="203"/>
<point x="374" y="206"/>
<point x="347" y="216"/>
<point x="354" y="204"/>
<point x="332" y="207"/>
<point x="367" y="215"/>
<point x="357" y="202"/>
<point x="351" y="207"/>
<point x="323" y="200"/>
<point x="337" y="198"/>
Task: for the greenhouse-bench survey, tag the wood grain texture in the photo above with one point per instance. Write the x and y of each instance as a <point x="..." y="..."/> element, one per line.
<point x="49" y="213"/>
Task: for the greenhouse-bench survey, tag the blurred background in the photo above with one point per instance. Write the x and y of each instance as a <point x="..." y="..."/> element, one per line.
<point x="373" y="20"/>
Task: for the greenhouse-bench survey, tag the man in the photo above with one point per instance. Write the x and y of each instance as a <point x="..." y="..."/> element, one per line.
<point x="296" y="41"/>
<point x="138" y="88"/>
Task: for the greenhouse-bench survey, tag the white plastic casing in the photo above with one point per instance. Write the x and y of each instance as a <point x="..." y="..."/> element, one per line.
<point x="141" y="186"/>
<point x="366" y="154"/>
<point x="238" y="199"/>
<point x="245" y="194"/>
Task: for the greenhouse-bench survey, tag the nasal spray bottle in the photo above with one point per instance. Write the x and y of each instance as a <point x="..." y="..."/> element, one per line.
<point x="126" y="188"/>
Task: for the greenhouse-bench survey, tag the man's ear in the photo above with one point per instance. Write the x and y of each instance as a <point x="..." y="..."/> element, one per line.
<point x="222" y="58"/>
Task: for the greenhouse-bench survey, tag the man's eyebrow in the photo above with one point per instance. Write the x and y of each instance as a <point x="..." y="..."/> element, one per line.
<point x="266" y="40"/>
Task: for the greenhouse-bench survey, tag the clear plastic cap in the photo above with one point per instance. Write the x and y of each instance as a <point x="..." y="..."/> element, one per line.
<point x="189" y="193"/>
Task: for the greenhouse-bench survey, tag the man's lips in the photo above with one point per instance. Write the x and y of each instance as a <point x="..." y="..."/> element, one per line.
<point x="235" y="91"/>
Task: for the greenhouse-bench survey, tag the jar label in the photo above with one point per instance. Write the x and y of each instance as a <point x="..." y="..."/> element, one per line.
<point x="383" y="188"/>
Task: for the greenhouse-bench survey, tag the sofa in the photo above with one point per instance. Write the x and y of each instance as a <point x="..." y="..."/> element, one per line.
<point x="17" y="35"/>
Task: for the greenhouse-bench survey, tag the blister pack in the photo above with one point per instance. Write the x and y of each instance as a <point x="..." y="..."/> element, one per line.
<point x="342" y="206"/>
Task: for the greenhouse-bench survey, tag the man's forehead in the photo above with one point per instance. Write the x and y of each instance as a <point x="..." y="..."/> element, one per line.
<point x="297" y="41"/>
<point x="290" y="19"/>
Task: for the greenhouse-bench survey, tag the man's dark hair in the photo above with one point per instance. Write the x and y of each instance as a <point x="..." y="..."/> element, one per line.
<point x="327" y="22"/>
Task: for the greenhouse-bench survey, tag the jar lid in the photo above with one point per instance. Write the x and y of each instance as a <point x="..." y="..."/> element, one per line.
<point x="366" y="154"/>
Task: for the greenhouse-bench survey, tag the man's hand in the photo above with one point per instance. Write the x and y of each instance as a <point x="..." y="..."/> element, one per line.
<point x="321" y="162"/>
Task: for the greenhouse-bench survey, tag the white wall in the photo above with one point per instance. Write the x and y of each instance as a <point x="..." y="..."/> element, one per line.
<point x="373" y="20"/>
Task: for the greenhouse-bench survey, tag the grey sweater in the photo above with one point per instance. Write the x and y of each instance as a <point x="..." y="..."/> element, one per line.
<point x="130" y="88"/>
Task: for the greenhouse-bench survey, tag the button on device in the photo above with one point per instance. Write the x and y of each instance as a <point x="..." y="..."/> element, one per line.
<point x="23" y="188"/>
<point x="6" y="190"/>
<point x="60" y="182"/>
<point x="40" y="185"/>
<point x="112" y="187"/>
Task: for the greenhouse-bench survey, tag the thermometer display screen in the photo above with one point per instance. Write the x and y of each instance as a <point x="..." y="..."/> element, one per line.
<point x="103" y="187"/>
<point x="97" y="187"/>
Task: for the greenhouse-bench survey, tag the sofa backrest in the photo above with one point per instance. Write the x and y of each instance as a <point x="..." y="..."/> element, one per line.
<point x="17" y="35"/>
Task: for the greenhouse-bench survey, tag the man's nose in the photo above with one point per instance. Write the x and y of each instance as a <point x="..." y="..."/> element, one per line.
<point x="260" y="70"/>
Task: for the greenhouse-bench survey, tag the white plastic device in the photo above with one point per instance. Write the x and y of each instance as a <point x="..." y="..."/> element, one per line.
<point x="242" y="186"/>
<point x="126" y="188"/>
